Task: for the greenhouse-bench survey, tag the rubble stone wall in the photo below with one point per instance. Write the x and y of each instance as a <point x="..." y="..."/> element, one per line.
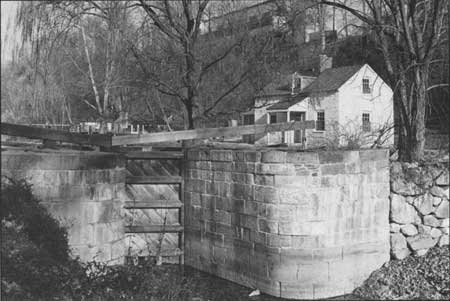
<point x="292" y="224"/>
<point x="419" y="212"/>
<point x="84" y="190"/>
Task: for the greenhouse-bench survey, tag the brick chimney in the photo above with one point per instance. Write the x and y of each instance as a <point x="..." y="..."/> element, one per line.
<point x="325" y="62"/>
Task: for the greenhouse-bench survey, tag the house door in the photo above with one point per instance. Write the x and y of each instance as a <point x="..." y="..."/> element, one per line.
<point x="276" y="137"/>
<point x="298" y="134"/>
<point x="249" y="120"/>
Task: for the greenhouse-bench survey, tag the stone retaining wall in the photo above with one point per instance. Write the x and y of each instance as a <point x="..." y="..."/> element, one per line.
<point x="84" y="190"/>
<point x="419" y="214"/>
<point x="292" y="224"/>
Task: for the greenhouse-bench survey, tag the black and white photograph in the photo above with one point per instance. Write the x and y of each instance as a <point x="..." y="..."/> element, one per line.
<point x="209" y="150"/>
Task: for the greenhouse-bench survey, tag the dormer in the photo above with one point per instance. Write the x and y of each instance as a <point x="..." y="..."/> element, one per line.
<point x="299" y="82"/>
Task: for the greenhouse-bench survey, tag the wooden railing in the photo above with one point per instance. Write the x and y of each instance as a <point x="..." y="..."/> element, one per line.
<point x="211" y="132"/>
<point x="55" y="135"/>
<point x="108" y="141"/>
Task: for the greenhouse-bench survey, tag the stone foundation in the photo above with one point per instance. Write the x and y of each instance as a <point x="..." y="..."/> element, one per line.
<point x="84" y="190"/>
<point x="419" y="214"/>
<point x="292" y="224"/>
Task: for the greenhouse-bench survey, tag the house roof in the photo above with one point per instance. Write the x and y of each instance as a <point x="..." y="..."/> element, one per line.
<point x="332" y="79"/>
<point x="273" y="88"/>
<point x="284" y="105"/>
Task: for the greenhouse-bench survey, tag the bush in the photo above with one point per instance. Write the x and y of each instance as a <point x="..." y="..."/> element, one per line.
<point x="36" y="261"/>
<point x="18" y="204"/>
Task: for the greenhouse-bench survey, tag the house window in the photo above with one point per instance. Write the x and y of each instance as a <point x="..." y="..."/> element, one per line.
<point x="249" y="119"/>
<point x="320" y="123"/>
<point x="273" y="118"/>
<point x="366" y="86"/>
<point x="298" y="83"/>
<point x="366" y="122"/>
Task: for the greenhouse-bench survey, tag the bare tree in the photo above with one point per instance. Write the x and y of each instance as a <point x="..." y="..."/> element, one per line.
<point x="408" y="33"/>
<point x="190" y="59"/>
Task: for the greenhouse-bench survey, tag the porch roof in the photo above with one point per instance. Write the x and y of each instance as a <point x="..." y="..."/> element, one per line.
<point x="286" y="104"/>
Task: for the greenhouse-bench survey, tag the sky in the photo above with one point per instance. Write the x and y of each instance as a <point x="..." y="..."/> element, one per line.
<point x="8" y="37"/>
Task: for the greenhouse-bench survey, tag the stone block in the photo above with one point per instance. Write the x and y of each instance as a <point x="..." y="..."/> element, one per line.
<point x="264" y="180"/>
<point x="403" y="187"/>
<point x="252" y="208"/>
<point x="225" y="229"/>
<point x="367" y="249"/>
<point x="401" y="212"/>
<point x="242" y="191"/>
<point x="291" y="290"/>
<point x="294" y="195"/>
<point x="273" y="240"/>
<point x="275" y="169"/>
<point x="215" y="238"/>
<point x="265" y="249"/>
<point x="423" y="229"/>
<point x="332" y="169"/>
<point x="205" y="175"/>
<point x="302" y="157"/>
<point x="435" y="233"/>
<point x="223" y="189"/>
<point x="222" y="176"/>
<point x="223" y="203"/>
<point x="221" y="166"/>
<point x="436" y="201"/>
<point x="374" y="155"/>
<point x="400" y="254"/>
<point x="247" y="221"/>
<point x="398" y="245"/>
<point x="247" y="156"/>
<point x="443" y="179"/>
<point x="223" y="217"/>
<point x="440" y="192"/>
<point x="208" y="201"/>
<point x="300" y="241"/>
<point x="257" y="237"/>
<point x="409" y="230"/>
<point x="442" y="211"/>
<point x="267" y="226"/>
<point x="421" y="241"/>
<point x="244" y="167"/>
<point x="445" y="223"/>
<point x="273" y="156"/>
<point x="219" y="254"/>
<point x="331" y="157"/>
<point x="271" y="211"/>
<point x="444" y="240"/>
<point x="195" y="185"/>
<point x="259" y="265"/>
<point x="423" y="203"/>
<point x="242" y="178"/>
<point x="328" y="254"/>
<point x="202" y="165"/>
<point x="221" y="155"/>
<point x="265" y="194"/>
<point x="430" y="220"/>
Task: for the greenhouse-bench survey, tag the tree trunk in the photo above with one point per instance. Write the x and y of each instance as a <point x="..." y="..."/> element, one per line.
<point x="418" y="115"/>
<point x="190" y="113"/>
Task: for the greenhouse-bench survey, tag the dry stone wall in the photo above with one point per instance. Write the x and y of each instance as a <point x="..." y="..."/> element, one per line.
<point x="293" y="224"/>
<point x="84" y="190"/>
<point x="419" y="212"/>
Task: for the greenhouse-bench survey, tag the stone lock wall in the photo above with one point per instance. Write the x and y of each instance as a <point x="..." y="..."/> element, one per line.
<point x="419" y="213"/>
<point x="292" y="224"/>
<point x="84" y="190"/>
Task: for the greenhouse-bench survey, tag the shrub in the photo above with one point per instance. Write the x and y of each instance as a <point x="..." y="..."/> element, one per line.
<point x="20" y="205"/>
<point x="36" y="262"/>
